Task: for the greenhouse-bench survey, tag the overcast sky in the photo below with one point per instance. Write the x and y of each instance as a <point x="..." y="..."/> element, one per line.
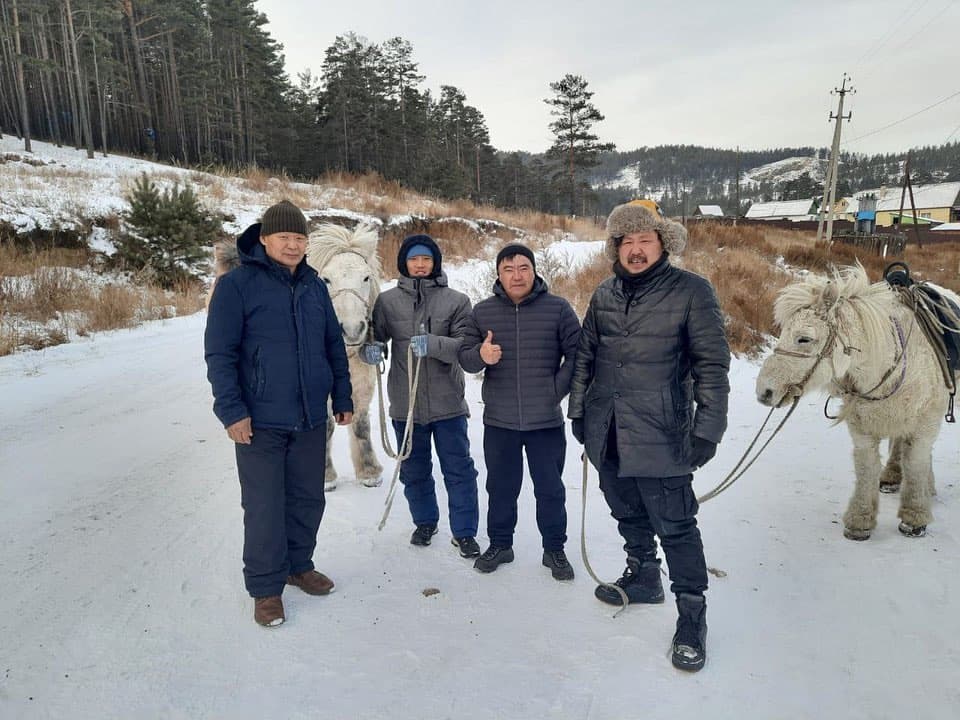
<point x="757" y="74"/>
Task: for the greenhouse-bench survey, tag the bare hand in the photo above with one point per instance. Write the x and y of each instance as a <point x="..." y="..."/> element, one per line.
<point x="344" y="418"/>
<point x="241" y="431"/>
<point x="489" y="352"/>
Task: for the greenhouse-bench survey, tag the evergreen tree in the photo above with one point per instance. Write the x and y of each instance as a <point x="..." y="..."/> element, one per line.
<point x="165" y="234"/>
<point x="575" y="147"/>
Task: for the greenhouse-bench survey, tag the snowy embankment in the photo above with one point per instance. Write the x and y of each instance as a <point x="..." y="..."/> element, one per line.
<point x="120" y="525"/>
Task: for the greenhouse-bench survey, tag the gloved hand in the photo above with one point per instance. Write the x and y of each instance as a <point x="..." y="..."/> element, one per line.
<point x="702" y="452"/>
<point x="577" y="427"/>
<point x="372" y="353"/>
<point x="419" y="345"/>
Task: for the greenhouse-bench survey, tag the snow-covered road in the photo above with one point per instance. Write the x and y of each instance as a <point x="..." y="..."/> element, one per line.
<point x="120" y="535"/>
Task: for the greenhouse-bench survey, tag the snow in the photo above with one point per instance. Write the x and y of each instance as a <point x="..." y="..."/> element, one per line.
<point x="121" y="527"/>
<point x="785" y="170"/>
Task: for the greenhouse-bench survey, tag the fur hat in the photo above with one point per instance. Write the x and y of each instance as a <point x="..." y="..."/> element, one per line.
<point x="283" y="217"/>
<point x="512" y="250"/>
<point x="629" y="218"/>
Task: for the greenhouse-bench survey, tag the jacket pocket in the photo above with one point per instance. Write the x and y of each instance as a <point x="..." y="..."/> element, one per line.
<point x="259" y="376"/>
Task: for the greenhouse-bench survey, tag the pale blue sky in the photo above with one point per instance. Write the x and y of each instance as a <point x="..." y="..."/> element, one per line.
<point x="749" y="73"/>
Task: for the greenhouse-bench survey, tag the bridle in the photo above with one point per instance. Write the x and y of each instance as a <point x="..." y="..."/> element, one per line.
<point x="365" y="301"/>
<point x="797" y="389"/>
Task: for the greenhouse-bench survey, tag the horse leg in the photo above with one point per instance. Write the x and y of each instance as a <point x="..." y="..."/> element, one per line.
<point x="914" y="510"/>
<point x="892" y="474"/>
<point x="861" y="516"/>
<point x="365" y="461"/>
<point x="329" y="472"/>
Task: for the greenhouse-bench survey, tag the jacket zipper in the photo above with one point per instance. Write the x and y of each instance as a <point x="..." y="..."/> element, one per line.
<point x="519" y="395"/>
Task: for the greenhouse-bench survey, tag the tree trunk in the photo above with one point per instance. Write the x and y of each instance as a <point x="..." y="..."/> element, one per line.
<point x="82" y="90"/>
<point x="21" y="86"/>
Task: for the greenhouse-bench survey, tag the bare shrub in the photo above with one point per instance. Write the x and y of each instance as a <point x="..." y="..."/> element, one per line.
<point x="111" y="308"/>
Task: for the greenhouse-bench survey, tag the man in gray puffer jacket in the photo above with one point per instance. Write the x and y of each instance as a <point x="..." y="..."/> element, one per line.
<point x="423" y="313"/>
<point x="649" y="403"/>
<point x="525" y="339"/>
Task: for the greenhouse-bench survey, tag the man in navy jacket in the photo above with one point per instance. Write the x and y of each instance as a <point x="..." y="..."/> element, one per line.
<point x="274" y="356"/>
<point x="525" y="340"/>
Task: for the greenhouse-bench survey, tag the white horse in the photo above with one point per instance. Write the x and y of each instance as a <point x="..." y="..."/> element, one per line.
<point x="862" y="344"/>
<point x="347" y="262"/>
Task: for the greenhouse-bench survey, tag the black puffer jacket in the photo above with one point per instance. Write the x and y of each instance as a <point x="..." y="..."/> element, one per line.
<point x="642" y="366"/>
<point x="539" y="338"/>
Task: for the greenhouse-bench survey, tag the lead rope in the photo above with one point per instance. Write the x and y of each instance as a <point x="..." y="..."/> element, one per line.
<point x="406" y="442"/>
<point x="729" y="480"/>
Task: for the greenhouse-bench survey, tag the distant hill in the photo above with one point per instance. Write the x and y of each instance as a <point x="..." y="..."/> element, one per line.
<point x="681" y="177"/>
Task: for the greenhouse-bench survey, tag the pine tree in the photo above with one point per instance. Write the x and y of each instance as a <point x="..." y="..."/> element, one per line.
<point x="166" y="233"/>
<point x="575" y="147"/>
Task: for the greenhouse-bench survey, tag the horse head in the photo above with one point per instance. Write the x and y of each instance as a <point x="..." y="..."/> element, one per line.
<point x="347" y="263"/>
<point x="829" y="328"/>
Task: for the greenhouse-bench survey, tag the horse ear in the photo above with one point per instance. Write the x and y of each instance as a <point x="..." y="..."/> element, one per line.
<point x="830" y="294"/>
<point x="366" y="239"/>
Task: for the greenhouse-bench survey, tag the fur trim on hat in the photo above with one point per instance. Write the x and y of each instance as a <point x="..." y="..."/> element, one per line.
<point x="626" y="219"/>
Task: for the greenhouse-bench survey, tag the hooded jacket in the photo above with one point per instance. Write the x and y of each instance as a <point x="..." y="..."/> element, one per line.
<point x="538" y="337"/>
<point x="423" y="306"/>
<point x="273" y="345"/>
<point x="643" y="361"/>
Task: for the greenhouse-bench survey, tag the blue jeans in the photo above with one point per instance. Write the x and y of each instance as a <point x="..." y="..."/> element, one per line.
<point x="546" y="450"/>
<point x="459" y="474"/>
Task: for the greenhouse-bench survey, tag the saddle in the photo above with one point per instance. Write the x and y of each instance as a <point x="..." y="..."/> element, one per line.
<point x="939" y="317"/>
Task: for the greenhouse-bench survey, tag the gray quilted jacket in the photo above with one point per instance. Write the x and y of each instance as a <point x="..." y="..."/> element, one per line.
<point x="428" y="306"/>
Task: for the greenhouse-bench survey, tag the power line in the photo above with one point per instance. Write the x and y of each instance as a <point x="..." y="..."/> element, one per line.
<point x="957" y="128"/>
<point x="910" y="39"/>
<point x="900" y="22"/>
<point x="901" y="120"/>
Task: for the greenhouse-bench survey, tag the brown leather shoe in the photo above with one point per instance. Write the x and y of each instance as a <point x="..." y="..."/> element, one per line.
<point x="312" y="582"/>
<point x="268" y="611"/>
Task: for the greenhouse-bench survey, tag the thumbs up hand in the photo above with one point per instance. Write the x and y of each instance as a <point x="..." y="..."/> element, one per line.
<point x="489" y="352"/>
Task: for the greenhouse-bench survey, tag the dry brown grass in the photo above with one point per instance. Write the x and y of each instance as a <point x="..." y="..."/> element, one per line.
<point x="41" y="305"/>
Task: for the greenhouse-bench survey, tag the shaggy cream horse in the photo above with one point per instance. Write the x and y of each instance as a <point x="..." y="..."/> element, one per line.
<point x="862" y="344"/>
<point x="347" y="262"/>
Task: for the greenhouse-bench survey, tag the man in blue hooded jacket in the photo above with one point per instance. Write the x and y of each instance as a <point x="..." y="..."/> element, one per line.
<point x="274" y="356"/>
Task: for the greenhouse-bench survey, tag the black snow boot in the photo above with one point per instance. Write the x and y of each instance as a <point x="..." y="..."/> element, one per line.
<point x="640" y="581"/>
<point x="467" y="546"/>
<point x="423" y="535"/>
<point x="690" y="640"/>
<point x="492" y="558"/>
<point x="559" y="566"/>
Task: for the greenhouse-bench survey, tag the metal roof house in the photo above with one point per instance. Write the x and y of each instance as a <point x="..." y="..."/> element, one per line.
<point x="708" y="211"/>
<point x="783" y="210"/>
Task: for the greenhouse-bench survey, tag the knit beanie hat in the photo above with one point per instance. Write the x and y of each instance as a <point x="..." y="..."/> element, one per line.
<point x="425" y="245"/>
<point x="516" y="249"/>
<point x="283" y="217"/>
<point x="419" y="250"/>
<point x="631" y="218"/>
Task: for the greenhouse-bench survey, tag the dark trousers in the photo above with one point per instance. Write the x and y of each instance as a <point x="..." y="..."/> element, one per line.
<point x="665" y="507"/>
<point x="281" y="490"/>
<point x="459" y="474"/>
<point x="546" y="451"/>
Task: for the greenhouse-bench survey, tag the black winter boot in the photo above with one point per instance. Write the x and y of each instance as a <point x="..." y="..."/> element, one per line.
<point x="423" y="535"/>
<point x="559" y="566"/>
<point x="492" y="558"/>
<point x="640" y="581"/>
<point x="690" y="640"/>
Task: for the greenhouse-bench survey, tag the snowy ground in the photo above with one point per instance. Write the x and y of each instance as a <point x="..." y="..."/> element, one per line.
<point x="120" y="526"/>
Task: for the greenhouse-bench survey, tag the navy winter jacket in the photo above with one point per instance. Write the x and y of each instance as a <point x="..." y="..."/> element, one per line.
<point x="273" y="344"/>
<point x="539" y="338"/>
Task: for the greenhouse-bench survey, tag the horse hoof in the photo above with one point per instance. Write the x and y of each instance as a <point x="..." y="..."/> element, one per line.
<point x="912" y="530"/>
<point x="889" y="487"/>
<point x="858" y="535"/>
<point x="372" y="482"/>
<point x="330" y="486"/>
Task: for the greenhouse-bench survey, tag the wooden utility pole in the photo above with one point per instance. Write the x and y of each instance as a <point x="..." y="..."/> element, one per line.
<point x="908" y="186"/>
<point x="830" y="182"/>
<point x="736" y="212"/>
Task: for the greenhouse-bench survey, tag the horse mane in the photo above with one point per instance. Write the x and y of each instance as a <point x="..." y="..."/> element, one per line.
<point x="860" y="310"/>
<point x="330" y="239"/>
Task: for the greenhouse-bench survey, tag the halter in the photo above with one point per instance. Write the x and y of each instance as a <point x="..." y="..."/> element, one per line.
<point x="367" y="311"/>
<point x="797" y="389"/>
